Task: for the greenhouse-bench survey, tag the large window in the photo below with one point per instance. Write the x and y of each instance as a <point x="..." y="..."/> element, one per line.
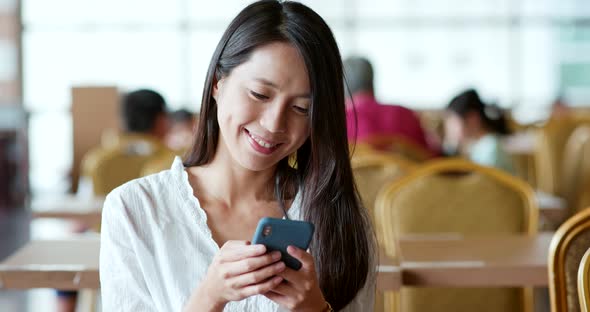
<point x="518" y="53"/>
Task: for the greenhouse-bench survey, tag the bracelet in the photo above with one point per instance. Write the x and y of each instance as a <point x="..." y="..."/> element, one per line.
<point x="328" y="307"/>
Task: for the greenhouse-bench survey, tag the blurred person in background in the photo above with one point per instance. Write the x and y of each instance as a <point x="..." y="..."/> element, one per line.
<point x="180" y="132"/>
<point x="145" y="124"/>
<point x="144" y="113"/>
<point x="474" y="129"/>
<point x="367" y="118"/>
<point x="144" y="117"/>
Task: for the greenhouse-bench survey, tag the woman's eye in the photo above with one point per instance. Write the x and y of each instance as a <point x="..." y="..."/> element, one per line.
<point x="301" y="110"/>
<point x="259" y="96"/>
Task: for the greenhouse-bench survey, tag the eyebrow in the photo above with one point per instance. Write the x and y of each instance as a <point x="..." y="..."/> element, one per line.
<point x="273" y="85"/>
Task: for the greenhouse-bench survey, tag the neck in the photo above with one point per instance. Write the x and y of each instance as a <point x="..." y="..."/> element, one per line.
<point x="479" y="134"/>
<point x="228" y="182"/>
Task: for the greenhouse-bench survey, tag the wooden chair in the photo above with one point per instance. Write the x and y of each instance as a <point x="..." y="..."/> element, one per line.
<point x="359" y="149"/>
<point x="158" y="164"/>
<point x="455" y="195"/>
<point x="576" y="169"/>
<point x="111" y="166"/>
<point x="568" y="246"/>
<point x="549" y="155"/>
<point x="374" y="170"/>
<point x="584" y="282"/>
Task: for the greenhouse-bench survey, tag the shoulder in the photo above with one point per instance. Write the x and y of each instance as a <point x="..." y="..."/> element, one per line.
<point x="489" y="151"/>
<point x="157" y="184"/>
<point x="400" y="110"/>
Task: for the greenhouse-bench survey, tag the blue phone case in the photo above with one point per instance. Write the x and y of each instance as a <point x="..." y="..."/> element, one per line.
<point x="278" y="234"/>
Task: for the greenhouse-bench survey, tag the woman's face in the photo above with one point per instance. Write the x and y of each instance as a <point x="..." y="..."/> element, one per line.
<point x="262" y="107"/>
<point x="461" y="131"/>
<point x="454" y="131"/>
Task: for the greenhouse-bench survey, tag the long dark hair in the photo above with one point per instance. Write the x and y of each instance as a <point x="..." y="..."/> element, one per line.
<point x="492" y="116"/>
<point x="343" y="243"/>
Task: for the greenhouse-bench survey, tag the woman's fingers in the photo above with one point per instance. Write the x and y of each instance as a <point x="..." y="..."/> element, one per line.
<point x="300" y="280"/>
<point x="258" y="276"/>
<point x="233" y="251"/>
<point x="285" y="289"/>
<point x="278" y="298"/>
<point x="292" y="276"/>
<point x="261" y="288"/>
<point x="231" y="269"/>
<point x="304" y="257"/>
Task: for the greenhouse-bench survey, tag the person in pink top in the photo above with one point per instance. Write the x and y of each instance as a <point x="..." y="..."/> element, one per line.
<point x="366" y="118"/>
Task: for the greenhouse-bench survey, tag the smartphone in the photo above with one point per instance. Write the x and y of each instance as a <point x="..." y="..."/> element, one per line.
<point x="278" y="234"/>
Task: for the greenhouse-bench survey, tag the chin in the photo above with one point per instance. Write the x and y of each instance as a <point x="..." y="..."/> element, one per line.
<point x="252" y="160"/>
<point x="257" y="165"/>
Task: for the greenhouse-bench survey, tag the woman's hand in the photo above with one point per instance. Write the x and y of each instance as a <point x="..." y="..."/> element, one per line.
<point x="300" y="291"/>
<point x="238" y="271"/>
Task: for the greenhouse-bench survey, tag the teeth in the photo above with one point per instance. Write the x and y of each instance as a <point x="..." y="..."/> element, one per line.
<point x="262" y="143"/>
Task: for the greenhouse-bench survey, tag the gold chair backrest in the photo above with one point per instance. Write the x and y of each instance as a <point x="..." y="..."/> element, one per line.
<point x="550" y="147"/>
<point x="568" y="246"/>
<point x="158" y="164"/>
<point x="584" y="282"/>
<point x="359" y="149"/>
<point x="111" y="166"/>
<point x="374" y="170"/>
<point x="576" y="168"/>
<point x="455" y="195"/>
<point x="584" y="197"/>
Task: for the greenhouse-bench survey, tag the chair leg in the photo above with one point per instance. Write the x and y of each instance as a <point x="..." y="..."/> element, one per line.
<point x="87" y="300"/>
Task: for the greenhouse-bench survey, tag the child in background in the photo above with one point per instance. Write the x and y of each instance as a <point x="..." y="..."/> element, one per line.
<point x="474" y="129"/>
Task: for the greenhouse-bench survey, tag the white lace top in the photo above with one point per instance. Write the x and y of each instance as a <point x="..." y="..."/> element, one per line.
<point x="156" y="247"/>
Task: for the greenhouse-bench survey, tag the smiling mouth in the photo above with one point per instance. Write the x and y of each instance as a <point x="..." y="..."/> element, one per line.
<point x="261" y="145"/>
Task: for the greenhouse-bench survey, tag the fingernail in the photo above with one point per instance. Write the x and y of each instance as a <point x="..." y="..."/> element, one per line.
<point x="278" y="279"/>
<point x="281" y="265"/>
<point x="276" y="255"/>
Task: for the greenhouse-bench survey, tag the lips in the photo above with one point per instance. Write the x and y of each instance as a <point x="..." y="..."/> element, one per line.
<point x="261" y="145"/>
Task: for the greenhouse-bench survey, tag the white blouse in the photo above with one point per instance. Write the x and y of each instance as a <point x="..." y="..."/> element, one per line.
<point x="156" y="248"/>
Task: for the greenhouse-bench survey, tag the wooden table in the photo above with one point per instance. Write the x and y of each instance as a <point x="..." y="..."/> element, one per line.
<point x="87" y="210"/>
<point x="552" y="207"/>
<point x="69" y="264"/>
<point x="427" y="261"/>
<point x="389" y="274"/>
<point x="455" y="261"/>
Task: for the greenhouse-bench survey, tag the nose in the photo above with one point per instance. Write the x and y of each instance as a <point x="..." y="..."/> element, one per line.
<point x="273" y="118"/>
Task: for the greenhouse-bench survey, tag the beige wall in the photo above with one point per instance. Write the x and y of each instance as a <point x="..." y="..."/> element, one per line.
<point x="94" y="111"/>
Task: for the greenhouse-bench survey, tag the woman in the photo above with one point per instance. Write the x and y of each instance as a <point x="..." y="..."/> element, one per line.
<point x="179" y="239"/>
<point x="475" y="129"/>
